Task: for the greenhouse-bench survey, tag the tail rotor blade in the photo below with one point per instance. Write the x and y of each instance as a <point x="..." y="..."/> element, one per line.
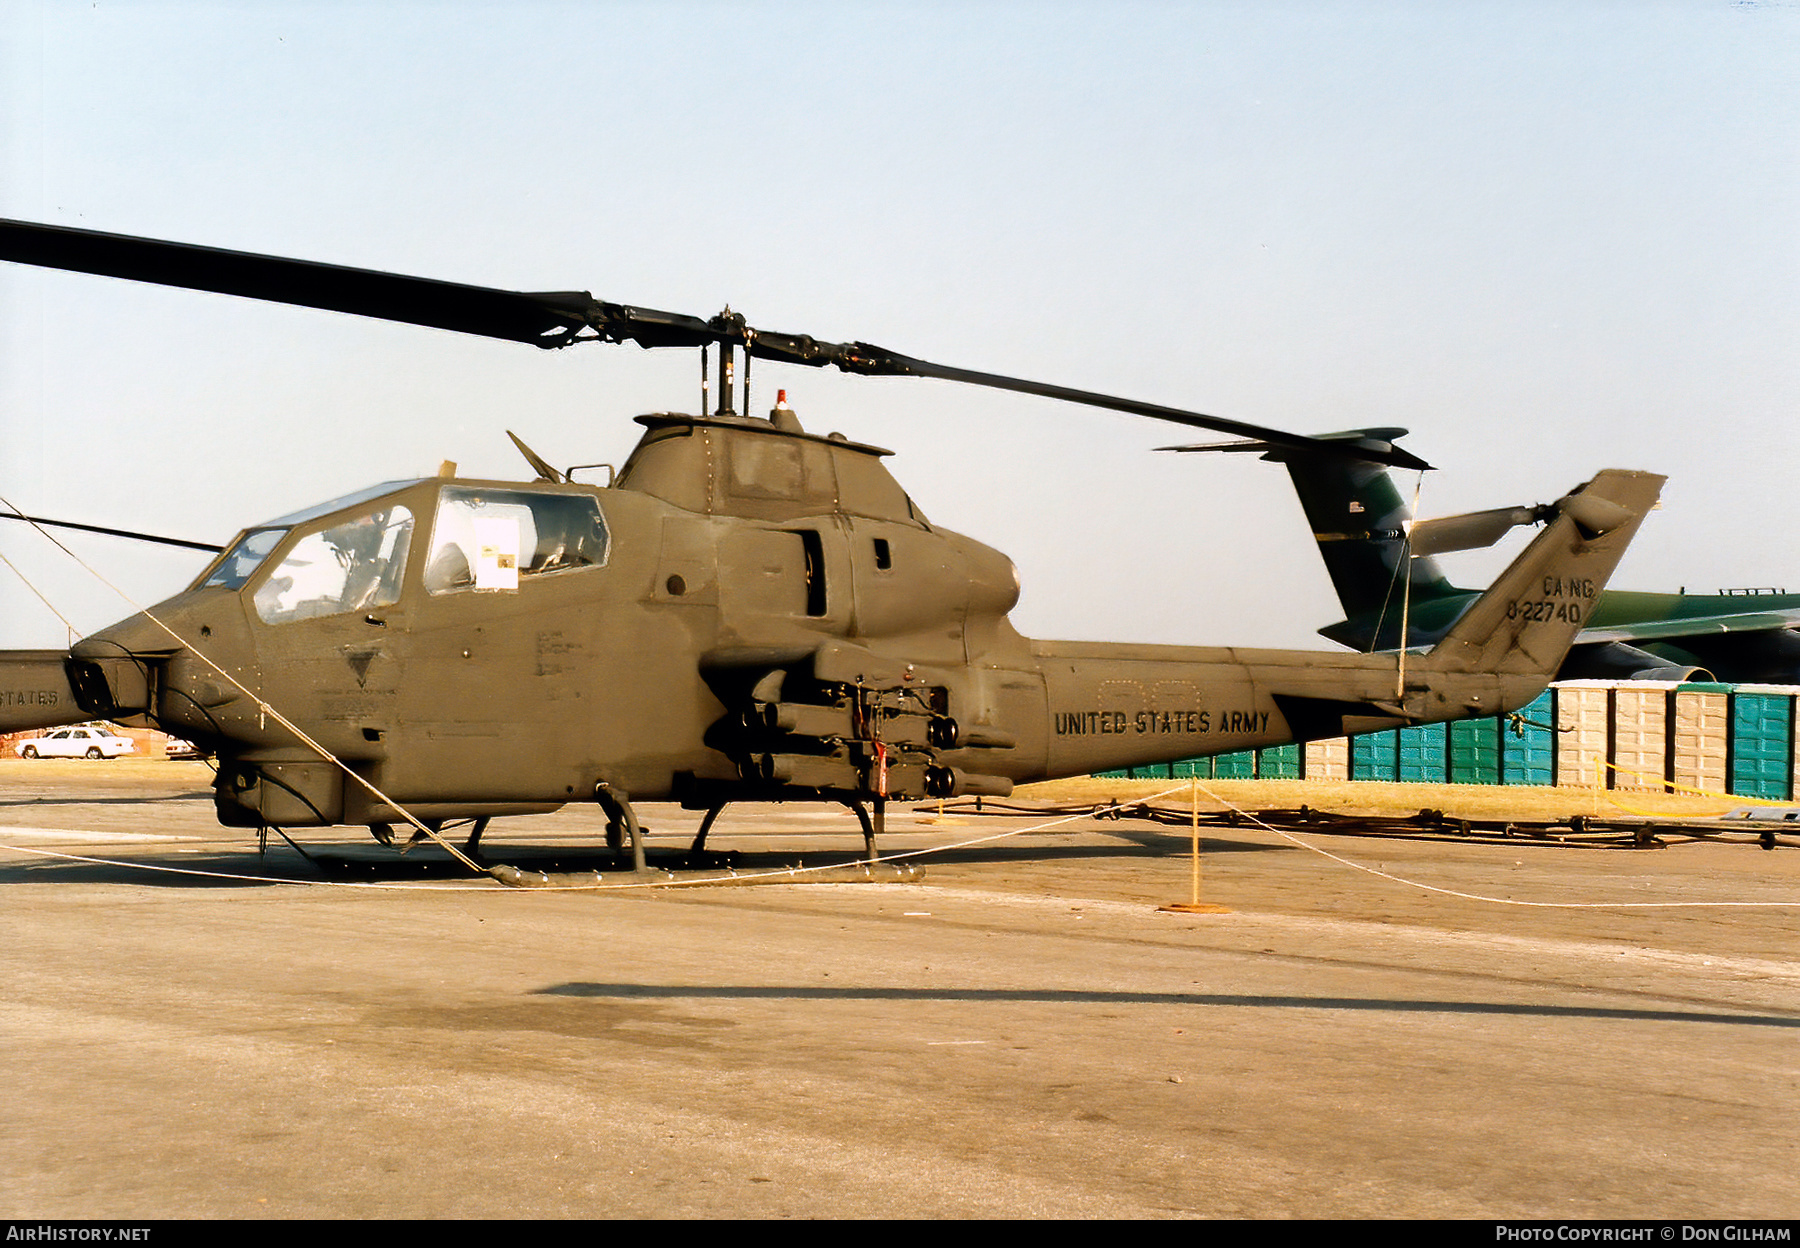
<point x="1474" y="530"/>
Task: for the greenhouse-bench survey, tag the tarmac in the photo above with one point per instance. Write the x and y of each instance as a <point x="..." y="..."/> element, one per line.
<point x="1560" y="1032"/>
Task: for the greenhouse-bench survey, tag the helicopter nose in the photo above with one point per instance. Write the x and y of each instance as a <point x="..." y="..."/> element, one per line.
<point x="111" y="670"/>
<point x="136" y="636"/>
<point x="108" y="682"/>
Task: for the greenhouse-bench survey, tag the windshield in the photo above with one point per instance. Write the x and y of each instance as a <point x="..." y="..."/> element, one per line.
<point x="236" y="565"/>
<point x="483" y="539"/>
<point x="246" y="555"/>
<point x="355" y="565"/>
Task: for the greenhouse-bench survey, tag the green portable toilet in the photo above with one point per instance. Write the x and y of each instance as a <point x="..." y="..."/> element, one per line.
<point x="1422" y="753"/>
<point x="1238" y="766"/>
<point x="1375" y="755"/>
<point x="1278" y="762"/>
<point x="1527" y="743"/>
<point x="1760" y="753"/>
<point x="1475" y="751"/>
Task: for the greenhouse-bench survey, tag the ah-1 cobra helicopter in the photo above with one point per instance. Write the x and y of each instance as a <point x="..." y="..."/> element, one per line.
<point x="749" y="612"/>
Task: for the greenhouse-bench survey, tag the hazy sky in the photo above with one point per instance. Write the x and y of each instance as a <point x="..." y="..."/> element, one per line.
<point x="1548" y="238"/>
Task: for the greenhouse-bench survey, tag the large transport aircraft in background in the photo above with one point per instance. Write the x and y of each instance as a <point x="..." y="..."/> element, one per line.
<point x="1366" y="532"/>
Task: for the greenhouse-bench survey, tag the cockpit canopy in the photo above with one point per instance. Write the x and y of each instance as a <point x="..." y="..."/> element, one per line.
<point x="254" y="544"/>
<point x="352" y="553"/>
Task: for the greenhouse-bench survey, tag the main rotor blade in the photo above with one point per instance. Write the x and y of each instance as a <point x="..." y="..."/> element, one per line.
<point x="870" y="360"/>
<point x="861" y="357"/>
<point x="360" y="292"/>
<point x="544" y="319"/>
<point x="94" y="528"/>
<point x="1378" y="440"/>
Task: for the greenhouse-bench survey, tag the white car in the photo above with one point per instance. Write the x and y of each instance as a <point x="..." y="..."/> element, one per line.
<point x="75" y="743"/>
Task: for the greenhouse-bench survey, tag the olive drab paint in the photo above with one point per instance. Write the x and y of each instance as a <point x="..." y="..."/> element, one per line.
<point x="734" y="636"/>
<point x="748" y="612"/>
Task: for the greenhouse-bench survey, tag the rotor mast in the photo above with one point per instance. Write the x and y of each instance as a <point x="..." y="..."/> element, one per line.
<point x="730" y="328"/>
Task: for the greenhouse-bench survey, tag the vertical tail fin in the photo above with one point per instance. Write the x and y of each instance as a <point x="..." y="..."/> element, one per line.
<point x="1360" y="521"/>
<point x="1526" y="621"/>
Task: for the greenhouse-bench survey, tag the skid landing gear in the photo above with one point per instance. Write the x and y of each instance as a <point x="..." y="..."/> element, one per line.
<point x="620" y="820"/>
<point x="712" y="816"/>
<point x="872" y="827"/>
<point x="473" y="845"/>
<point x="697" y="858"/>
<point x="384" y="832"/>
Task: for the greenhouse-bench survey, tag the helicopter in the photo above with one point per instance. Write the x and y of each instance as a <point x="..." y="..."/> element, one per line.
<point x="748" y="611"/>
<point x="1366" y="532"/>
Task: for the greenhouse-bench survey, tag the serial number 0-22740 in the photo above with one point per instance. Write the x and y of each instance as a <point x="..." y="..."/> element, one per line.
<point x="1544" y="609"/>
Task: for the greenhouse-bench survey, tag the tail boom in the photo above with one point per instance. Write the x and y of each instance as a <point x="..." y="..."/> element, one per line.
<point x="35" y="691"/>
<point x="1131" y="705"/>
